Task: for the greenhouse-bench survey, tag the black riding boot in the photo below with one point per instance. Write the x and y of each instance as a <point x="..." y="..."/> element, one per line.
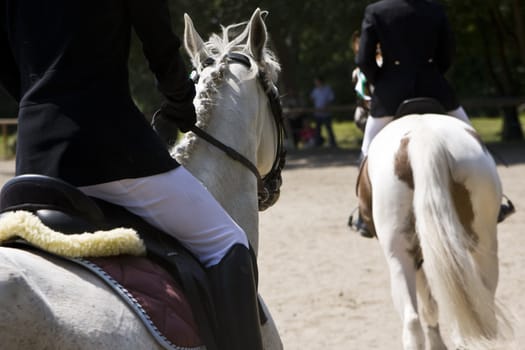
<point x="235" y="296"/>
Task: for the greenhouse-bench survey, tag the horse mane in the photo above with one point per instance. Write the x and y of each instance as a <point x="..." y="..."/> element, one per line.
<point x="233" y="38"/>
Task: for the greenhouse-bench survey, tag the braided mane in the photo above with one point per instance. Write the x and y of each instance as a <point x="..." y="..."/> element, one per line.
<point x="219" y="46"/>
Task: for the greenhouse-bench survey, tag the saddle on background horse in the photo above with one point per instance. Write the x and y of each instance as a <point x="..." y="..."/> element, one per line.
<point x="419" y="105"/>
<point x="63" y="208"/>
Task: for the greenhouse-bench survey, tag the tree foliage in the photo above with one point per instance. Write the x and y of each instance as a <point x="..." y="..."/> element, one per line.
<point x="314" y="38"/>
<point x="491" y="53"/>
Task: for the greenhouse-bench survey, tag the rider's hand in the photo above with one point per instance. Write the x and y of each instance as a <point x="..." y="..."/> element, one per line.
<point x="182" y="114"/>
<point x="176" y="113"/>
<point x="165" y="129"/>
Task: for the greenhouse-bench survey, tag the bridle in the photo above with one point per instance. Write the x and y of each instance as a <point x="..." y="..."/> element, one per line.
<point x="268" y="186"/>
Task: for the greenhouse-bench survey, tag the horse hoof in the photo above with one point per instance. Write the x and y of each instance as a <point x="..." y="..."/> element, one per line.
<point x="364" y="232"/>
<point x="506" y="210"/>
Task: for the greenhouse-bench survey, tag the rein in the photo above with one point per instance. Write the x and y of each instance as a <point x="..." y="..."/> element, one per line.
<point x="268" y="186"/>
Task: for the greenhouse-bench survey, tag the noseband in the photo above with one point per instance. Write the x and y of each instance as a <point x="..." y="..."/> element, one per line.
<point x="268" y="186"/>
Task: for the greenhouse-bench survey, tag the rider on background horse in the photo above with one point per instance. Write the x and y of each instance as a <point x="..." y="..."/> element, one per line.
<point x="65" y="63"/>
<point x="417" y="47"/>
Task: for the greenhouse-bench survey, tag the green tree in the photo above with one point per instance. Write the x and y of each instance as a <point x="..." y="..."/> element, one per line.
<point x="313" y="37"/>
<point x="491" y="53"/>
<point x="8" y="107"/>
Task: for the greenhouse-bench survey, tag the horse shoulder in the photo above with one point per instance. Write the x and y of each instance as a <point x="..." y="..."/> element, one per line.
<point x="25" y="314"/>
<point x="41" y="299"/>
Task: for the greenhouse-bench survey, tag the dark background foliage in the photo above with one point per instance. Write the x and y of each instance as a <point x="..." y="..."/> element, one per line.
<point x="313" y="37"/>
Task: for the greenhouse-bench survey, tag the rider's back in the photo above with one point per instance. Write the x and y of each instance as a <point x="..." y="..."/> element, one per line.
<point x="416" y="45"/>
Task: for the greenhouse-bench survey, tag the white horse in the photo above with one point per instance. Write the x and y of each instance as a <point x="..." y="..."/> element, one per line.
<point x="431" y="193"/>
<point x="49" y="303"/>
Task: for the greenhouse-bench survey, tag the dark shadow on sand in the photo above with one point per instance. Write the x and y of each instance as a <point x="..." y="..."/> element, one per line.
<point x="504" y="153"/>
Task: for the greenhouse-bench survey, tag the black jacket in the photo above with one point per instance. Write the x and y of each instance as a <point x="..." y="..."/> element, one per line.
<point x="65" y="62"/>
<point x="417" y="48"/>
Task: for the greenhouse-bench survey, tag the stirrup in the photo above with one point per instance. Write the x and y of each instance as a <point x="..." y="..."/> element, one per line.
<point x="351" y="223"/>
<point x="358" y="225"/>
<point x="506" y="210"/>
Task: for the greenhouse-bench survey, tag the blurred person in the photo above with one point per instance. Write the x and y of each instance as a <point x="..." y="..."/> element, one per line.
<point x="322" y="96"/>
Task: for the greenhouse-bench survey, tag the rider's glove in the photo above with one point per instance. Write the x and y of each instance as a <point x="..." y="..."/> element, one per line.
<point x="182" y="114"/>
<point x="175" y="114"/>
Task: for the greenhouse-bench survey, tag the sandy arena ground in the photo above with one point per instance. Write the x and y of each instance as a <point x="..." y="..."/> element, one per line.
<point x="326" y="286"/>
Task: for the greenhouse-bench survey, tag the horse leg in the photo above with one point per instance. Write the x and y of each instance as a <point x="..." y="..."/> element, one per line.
<point x="394" y="223"/>
<point x="397" y="246"/>
<point x="429" y="312"/>
<point x="403" y="289"/>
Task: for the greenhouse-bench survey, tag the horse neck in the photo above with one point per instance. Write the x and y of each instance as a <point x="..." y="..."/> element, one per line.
<point x="230" y="182"/>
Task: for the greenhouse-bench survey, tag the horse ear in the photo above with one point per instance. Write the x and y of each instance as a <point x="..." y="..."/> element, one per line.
<point x="193" y="42"/>
<point x="257" y="36"/>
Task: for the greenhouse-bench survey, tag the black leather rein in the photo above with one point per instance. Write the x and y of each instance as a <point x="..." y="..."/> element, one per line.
<point x="268" y="187"/>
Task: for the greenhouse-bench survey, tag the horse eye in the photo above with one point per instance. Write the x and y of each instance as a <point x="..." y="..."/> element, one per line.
<point x="208" y="62"/>
<point x="194" y="76"/>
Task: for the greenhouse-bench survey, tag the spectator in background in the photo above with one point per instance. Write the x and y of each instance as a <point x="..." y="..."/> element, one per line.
<point x="322" y="97"/>
<point x="295" y="116"/>
<point x="307" y="134"/>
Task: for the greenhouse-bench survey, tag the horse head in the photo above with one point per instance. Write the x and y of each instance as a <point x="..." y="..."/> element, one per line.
<point x="237" y="106"/>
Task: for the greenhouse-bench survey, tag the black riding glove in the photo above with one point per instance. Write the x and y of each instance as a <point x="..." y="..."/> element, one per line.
<point x="176" y="112"/>
<point x="165" y="128"/>
<point x="182" y="114"/>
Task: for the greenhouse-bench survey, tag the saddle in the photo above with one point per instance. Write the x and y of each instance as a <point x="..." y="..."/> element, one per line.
<point x="419" y="105"/>
<point x="64" y="208"/>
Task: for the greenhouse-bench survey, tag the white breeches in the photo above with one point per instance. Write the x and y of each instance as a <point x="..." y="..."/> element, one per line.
<point x="372" y="128"/>
<point x="178" y="204"/>
<point x="460" y="114"/>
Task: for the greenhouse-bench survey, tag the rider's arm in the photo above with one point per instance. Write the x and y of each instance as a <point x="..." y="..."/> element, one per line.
<point x="9" y="75"/>
<point x="366" y="56"/>
<point x="152" y="23"/>
<point x="446" y="45"/>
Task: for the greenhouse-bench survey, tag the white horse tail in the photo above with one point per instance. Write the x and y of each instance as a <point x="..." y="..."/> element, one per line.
<point x="453" y="277"/>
